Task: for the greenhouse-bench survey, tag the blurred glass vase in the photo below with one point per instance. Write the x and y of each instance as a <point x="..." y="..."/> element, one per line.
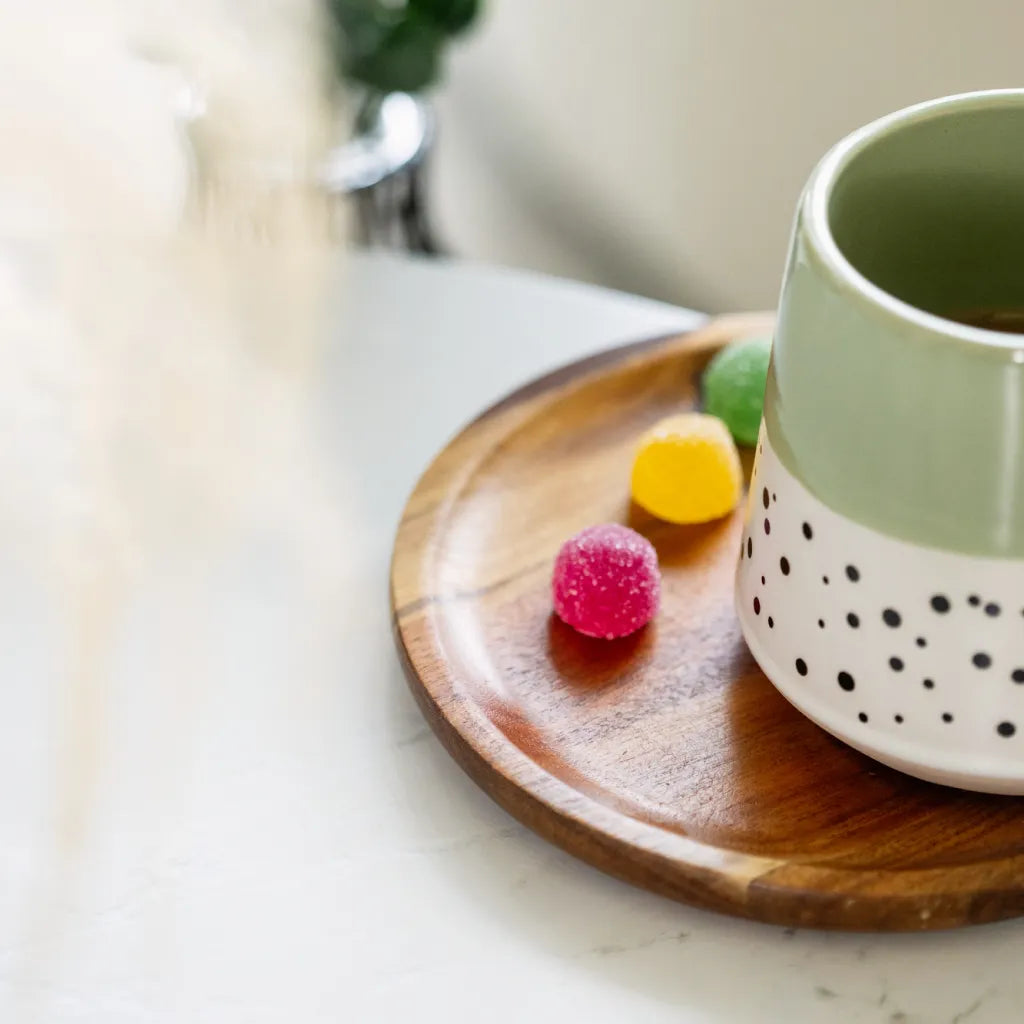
<point x="392" y="54"/>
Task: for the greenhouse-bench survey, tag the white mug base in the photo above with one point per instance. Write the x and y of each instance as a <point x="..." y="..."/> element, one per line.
<point x="912" y="655"/>
<point x="910" y="760"/>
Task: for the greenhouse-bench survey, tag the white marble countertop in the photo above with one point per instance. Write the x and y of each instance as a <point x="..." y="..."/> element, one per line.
<point x="328" y="861"/>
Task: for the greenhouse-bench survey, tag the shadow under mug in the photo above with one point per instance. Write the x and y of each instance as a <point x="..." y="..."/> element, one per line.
<point x="881" y="584"/>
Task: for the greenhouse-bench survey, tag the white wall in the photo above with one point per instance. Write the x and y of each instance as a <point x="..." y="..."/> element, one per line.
<point x="660" y="145"/>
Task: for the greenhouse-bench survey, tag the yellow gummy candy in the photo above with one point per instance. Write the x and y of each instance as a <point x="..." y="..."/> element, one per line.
<point x="687" y="469"/>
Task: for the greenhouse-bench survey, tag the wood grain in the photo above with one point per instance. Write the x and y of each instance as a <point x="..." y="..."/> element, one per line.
<point x="667" y="758"/>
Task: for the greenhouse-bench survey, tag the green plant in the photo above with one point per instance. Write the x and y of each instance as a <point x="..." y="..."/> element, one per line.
<point x="395" y="46"/>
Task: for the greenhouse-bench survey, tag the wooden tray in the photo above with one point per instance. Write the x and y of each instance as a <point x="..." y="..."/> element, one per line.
<point x="667" y="758"/>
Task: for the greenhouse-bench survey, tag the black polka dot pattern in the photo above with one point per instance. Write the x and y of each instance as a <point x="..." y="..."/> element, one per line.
<point x="865" y="602"/>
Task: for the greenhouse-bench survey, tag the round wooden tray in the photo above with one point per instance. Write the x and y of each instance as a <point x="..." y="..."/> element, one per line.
<point x="667" y="758"/>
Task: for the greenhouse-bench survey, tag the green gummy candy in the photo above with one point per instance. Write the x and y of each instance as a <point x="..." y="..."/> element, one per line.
<point x="733" y="386"/>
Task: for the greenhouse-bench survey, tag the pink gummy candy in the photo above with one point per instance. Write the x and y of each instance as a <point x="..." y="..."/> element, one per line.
<point x="606" y="581"/>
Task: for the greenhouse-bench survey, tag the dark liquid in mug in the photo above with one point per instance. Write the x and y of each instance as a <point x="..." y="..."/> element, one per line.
<point x="1009" y="321"/>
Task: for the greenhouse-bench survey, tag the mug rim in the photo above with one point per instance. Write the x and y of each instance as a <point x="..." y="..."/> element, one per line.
<point x="822" y="244"/>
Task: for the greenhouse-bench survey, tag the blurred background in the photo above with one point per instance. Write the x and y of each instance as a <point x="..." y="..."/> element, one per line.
<point x="656" y="147"/>
<point x="660" y="146"/>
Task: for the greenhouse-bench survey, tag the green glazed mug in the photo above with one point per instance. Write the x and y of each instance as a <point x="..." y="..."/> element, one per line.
<point x="881" y="582"/>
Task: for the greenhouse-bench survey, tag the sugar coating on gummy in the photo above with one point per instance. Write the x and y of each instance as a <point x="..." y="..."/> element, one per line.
<point x="687" y="470"/>
<point x="733" y="386"/>
<point x="606" y="581"/>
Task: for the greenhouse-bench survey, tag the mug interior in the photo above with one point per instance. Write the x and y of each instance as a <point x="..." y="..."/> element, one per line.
<point x="932" y="211"/>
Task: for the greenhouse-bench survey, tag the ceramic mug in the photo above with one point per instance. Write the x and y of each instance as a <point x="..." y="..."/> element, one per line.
<point x="881" y="581"/>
